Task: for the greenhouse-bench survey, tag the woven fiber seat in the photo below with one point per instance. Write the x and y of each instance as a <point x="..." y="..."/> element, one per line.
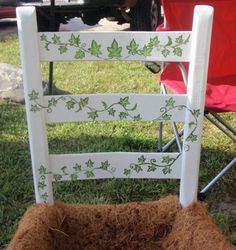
<point x="159" y="224"/>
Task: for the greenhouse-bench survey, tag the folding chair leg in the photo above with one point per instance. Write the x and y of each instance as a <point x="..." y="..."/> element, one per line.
<point x="222" y="125"/>
<point x="202" y="194"/>
<point x="160" y="141"/>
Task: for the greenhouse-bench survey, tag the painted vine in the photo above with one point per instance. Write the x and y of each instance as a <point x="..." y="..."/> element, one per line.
<point x="114" y="50"/>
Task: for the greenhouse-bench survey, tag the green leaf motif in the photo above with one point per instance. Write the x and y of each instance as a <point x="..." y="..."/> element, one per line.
<point x="93" y="115"/>
<point x="179" y="39"/>
<point x="62" y="49"/>
<point x="33" y="95"/>
<point x="178" y="51"/>
<point x="166" y="117"/>
<point x="123" y="115"/>
<point x="73" y="177"/>
<point x="56" y="39"/>
<point x="42" y="170"/>
<point x="138" y="168"/>
<point x="166" y="170"/>
<point x="146" y="51"/>
<point x="165" y="52"/>
<point x="41" y="185"/>
<point x="105" y="165"/>
<point x="95" y="48"/>
<point x="167" y="159"/>
<point x="196" y="113"/>
<point x="124" y="101"/>
<point x="34" y="108"/>
<point x="127" y="172"/>
<point x="74" y="40"/>
<point x="77" y="168"/>
<point x="191" y="124"/>
<point x="154" y="42"/>
<point x="89" y="173"/>
<point x="83" y="102"/>
<point x="44" y="197"/>
<point x="192" y="138"/>
<point x="111" y="112"/>
<point x="52" y="102"/>
<point x="57" y="177"/>
<point x="141" y="159"/>
<point x="114" y="50"/>
<point x="70" y="104"/>
<point x="170" y="103"/>
<point x="132" y="47"/>
<point x="79" y="54"/>
<point x="43" y="37"/>
<point x="152" y="168"/>
<point x="89" y="164"/>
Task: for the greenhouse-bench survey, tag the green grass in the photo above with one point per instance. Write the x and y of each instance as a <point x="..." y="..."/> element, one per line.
<point x="16" y="186"/>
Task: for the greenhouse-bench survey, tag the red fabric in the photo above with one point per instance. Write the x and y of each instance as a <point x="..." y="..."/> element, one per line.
<point x="221" y="84"/>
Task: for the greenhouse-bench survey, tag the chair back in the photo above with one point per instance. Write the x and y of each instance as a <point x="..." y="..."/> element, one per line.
<point x="191" y="46"/>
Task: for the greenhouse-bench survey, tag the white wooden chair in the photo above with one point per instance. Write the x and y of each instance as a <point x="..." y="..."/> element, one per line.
<point x="192" y="46"/>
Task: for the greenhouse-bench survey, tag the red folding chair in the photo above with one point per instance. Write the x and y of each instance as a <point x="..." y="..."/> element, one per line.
<point x="221" y="84"/>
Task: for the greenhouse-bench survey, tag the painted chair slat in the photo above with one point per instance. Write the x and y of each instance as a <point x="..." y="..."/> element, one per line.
<point x="121" y="46"/>
<point x="112" y="107"/>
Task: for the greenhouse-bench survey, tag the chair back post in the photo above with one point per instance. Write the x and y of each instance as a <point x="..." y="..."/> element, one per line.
<point x="196" y="88"/>
<point x="27" y="30"/>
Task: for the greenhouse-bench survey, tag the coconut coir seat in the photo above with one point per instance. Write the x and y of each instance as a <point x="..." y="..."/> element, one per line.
<point x="170" y="223"/>
<point x="159" y="224"/>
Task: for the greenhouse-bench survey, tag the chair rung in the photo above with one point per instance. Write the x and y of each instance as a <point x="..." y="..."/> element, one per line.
<point x="113" y="107"/>
<point x="116" y="165"/>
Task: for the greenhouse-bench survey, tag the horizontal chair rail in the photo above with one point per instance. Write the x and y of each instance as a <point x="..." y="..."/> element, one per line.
<point x="115" y="165"/>
<point x="113" y="107"/>
<point x="123" y="46"/>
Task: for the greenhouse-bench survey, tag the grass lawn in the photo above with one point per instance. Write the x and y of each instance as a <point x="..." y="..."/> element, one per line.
<point x="16" y="185"/>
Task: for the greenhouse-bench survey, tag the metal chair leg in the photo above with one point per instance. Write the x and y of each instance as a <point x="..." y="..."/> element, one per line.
<point x="202" y="194"/>
<point x="222" y="125"/>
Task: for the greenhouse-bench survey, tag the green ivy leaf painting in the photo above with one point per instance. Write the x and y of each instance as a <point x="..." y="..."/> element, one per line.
<point x="89" y="164"/>
<point x="170" y="103"/>
<point x="165" y="52"/>
<point x="133" y="47"/>
<point x="62" y="49"/>
<point x="124" y="101"/>
<point x="80" y="54"/>
<point x="56" y="39"/>
<point x="95" y="49"/>
<point x="179" y="39"/>
<point x="167" y="159"/>
<point x="154" y="42"/>
<point x="178" y="51"/>
<point x="146" y="51"/>
<point x="105" y="165"/>
<point x="173" y="46"/>
<point x="114" y="50"/>
<point x="33" y="96"/>
<point x="74" y="40"/>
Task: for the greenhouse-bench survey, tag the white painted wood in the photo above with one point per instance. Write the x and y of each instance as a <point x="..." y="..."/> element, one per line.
<point x="122" y="45"/>
<point x="165" y="46"/>
<point x="113" y="107"/>
<point x="116" y="165"/>
<point x="27" y="31"/>
<point x="196" y="88"/>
